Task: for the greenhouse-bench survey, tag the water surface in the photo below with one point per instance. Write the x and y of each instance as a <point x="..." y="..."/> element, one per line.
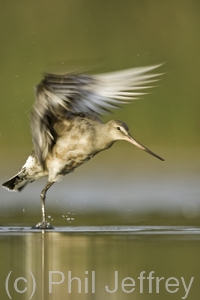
<point x="94" y="262"/>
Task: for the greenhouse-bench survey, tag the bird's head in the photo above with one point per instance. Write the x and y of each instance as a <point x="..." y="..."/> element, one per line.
<point x="118" y="130"/>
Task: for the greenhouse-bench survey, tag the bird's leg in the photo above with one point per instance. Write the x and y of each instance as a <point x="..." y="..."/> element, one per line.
<point x="43" y="197"/>
<point x="44" y="224"/>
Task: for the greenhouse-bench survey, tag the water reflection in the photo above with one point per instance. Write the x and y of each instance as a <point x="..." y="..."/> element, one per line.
<point x="94" y="263"/>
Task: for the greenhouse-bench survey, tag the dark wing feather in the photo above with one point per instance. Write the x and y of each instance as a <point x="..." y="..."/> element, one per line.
<point x="56" y="95"/>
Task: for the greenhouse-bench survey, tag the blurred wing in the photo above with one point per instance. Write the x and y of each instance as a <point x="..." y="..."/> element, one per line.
<point x="58" y="94"/>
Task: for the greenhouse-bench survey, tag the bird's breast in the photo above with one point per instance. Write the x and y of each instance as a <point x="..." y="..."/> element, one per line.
<point x="70" y="152"/>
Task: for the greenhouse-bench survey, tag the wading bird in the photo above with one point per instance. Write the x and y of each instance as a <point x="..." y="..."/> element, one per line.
<point x="66" y="128"/>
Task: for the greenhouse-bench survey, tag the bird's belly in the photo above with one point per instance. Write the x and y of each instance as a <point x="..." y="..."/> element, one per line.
<point x="74" y="161"/>
<point x="59" y="165"/>
<point x="68" y="154"/>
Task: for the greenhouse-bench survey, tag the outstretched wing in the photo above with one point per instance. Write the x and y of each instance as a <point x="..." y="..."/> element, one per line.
<point x="58" y="94"/>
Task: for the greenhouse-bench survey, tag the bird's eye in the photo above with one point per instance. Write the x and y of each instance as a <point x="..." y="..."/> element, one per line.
<point x="118" y="128"/>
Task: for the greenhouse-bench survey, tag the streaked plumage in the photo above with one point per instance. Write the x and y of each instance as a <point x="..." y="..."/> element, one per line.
<point x="65" y="123"/>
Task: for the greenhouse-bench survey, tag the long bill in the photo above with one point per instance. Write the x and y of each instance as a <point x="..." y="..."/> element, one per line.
<point x="131" y="140"/>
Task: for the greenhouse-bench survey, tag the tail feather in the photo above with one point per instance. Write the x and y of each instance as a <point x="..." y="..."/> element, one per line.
<point x="30" y="171"/>
<point x="16" y="183"/>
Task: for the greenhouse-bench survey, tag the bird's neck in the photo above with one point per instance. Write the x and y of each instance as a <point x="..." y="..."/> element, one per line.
<point x="104" y="140"/>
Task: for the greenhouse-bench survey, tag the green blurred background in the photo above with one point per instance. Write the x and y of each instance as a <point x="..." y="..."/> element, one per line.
<point x="123" y="185"/>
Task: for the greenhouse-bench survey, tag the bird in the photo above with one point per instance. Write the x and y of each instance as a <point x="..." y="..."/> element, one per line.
<point x="66" y="126"/>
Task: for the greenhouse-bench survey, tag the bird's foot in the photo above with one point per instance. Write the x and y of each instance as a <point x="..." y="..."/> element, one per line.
<point x="43" y="225"/>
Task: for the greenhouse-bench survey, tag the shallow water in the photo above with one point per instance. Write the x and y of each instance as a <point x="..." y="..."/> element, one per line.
<point x="94" y="262"/>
